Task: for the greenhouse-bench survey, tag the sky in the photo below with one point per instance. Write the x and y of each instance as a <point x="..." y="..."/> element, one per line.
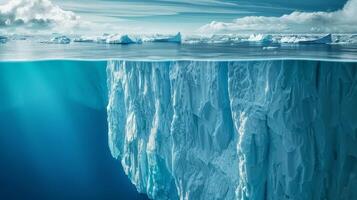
<point x="168" y="16"/>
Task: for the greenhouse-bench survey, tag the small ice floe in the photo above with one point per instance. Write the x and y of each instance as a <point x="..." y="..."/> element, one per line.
<point x="3" y="39"/>
<point x="61" y="40"/>
<point x="323" y="40"/>
<point x="172" y="39"/>
<point x="270" y="48"/>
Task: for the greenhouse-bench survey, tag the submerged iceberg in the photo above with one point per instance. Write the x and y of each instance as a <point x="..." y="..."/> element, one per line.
<point x="235" y="130"/>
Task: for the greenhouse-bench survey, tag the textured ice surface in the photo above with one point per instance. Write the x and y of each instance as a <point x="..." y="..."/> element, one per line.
<point x="130" y="39"/>
<point x="323" y="40"/>
<point x="119" y="39"/>
<point x="235" y="130"/>
<point x="61" y="40"/>
<point x="174" y="39"/>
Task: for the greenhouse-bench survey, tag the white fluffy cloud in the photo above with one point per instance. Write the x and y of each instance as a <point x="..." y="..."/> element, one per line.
<point x="36" y="14"/>
<point x="344" y="20"/>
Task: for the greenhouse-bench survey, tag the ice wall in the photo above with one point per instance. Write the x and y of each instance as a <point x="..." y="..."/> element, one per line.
<point x="235" y="130"/>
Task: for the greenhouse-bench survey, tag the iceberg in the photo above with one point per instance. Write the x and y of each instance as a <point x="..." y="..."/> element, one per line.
<point x="260" y="38"/>
<point x="172" y="39"/>
<point x="323" y="40"/>
<point x="109" y="39"/>
<point x="85" y="39"/>
<point x="273" y="129"/>
<point x="119" y="39"/>
<point x="61" y="40"/>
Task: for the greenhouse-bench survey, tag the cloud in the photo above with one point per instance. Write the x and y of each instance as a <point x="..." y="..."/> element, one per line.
<point x="344" y="20"/>
<point x="36" y="14"/>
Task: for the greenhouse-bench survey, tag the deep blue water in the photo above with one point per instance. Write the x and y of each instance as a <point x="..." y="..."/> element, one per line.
<point x="53" y="133"/>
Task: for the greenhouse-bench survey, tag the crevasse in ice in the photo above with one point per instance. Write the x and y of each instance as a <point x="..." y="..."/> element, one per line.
<point x="235" y="130"/>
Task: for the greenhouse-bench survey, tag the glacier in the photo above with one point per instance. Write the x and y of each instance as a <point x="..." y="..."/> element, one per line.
<point x="267" y="129"/>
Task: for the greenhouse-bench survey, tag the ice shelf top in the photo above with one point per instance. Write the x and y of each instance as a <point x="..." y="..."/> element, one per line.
<point x="179" y="47"/>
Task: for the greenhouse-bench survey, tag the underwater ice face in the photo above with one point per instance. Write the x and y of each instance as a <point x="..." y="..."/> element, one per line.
<point x="235" y="130"/>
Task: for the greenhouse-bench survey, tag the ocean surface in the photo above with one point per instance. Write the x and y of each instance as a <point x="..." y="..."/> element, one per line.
<point x="146" y="47"/>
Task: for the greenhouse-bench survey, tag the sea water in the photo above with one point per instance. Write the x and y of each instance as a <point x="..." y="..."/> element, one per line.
<point x="53" y="133"/>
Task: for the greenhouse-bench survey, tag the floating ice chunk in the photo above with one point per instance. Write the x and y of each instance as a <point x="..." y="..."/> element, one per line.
<point x="260" y="38"/>
<point x="324" y="40"/>
<point x="61" y="40"/>
<point x="270" y="48"/>
<point x="292" y="39"/>
<point x="119" y="39"/>
<point x="174" y="39"/>
<point x="3" y="39"/>
<point x="345" y="39"/>
<point x="85" y="39"/>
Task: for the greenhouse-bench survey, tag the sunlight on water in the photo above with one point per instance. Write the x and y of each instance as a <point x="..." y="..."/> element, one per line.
<point x="53" y="138"/>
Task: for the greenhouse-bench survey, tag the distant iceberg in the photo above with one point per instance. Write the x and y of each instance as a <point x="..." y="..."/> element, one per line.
<point x="110" y="39"/>
<point x="323" y="40"/>
<point x="119" y="39"/>
<point x="173" y="39"/>
<point x="85" y="39"/>
<point x="61" y="40"/>
<point x="231" y="39"/>
<point x="260" y="38"/>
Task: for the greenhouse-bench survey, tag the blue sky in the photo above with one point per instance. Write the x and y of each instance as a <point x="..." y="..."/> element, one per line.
<point x="174" y="15"/>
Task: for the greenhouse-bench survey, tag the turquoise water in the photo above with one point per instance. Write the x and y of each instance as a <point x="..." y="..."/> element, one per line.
<point x="53" y="133"/>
